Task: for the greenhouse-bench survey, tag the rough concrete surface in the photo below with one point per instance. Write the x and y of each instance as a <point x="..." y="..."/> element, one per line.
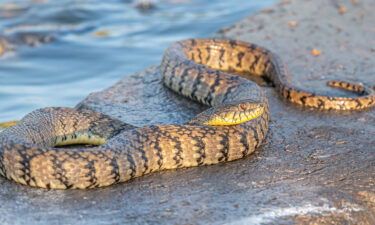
<point x="314" y="167"/>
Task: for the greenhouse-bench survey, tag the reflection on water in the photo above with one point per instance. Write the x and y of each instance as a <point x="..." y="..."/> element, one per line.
<point x="93" y="43"/>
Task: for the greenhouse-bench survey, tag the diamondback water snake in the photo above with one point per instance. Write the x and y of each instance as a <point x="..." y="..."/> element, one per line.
<point x="193" y="68"/>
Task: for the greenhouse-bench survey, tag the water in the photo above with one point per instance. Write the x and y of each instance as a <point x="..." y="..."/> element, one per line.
<point x="97" y="43"/>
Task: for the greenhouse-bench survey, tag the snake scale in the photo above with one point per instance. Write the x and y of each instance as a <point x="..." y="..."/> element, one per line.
<point x="234" y="126"/>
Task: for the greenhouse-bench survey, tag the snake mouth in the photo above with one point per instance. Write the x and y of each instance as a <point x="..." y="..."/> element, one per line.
<point x="236" y="114"/>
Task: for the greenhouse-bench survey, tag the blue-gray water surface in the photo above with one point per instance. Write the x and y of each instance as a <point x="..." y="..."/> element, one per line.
<point x="96" y="43"/>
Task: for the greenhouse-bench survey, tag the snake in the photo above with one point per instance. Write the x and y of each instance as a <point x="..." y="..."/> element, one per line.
<point x="41" y="149"/>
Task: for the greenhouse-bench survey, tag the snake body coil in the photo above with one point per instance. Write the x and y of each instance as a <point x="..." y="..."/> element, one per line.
<point x="194" y="68"/>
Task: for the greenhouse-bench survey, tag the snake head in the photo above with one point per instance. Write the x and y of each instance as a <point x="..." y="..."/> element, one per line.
<point x="229" y="114"/>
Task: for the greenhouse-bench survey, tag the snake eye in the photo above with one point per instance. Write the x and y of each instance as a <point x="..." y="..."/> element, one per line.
<point x="243" y="106"/>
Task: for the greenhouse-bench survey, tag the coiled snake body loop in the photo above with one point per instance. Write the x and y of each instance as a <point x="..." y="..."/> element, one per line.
<point x="194" y="68"/>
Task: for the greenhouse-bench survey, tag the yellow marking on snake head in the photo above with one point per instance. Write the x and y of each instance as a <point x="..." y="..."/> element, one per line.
<point x="77" y="138"/>
<point x="235" y="114"/>
<point x="8" y="124"/>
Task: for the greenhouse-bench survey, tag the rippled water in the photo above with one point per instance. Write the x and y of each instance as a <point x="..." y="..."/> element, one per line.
<point x="96" y="43"/>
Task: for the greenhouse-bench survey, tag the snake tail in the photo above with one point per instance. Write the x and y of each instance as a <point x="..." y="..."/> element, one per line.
<point x="238" y="56"/>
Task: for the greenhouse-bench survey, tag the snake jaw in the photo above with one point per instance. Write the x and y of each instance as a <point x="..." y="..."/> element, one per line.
<point x="235" y="114"/>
